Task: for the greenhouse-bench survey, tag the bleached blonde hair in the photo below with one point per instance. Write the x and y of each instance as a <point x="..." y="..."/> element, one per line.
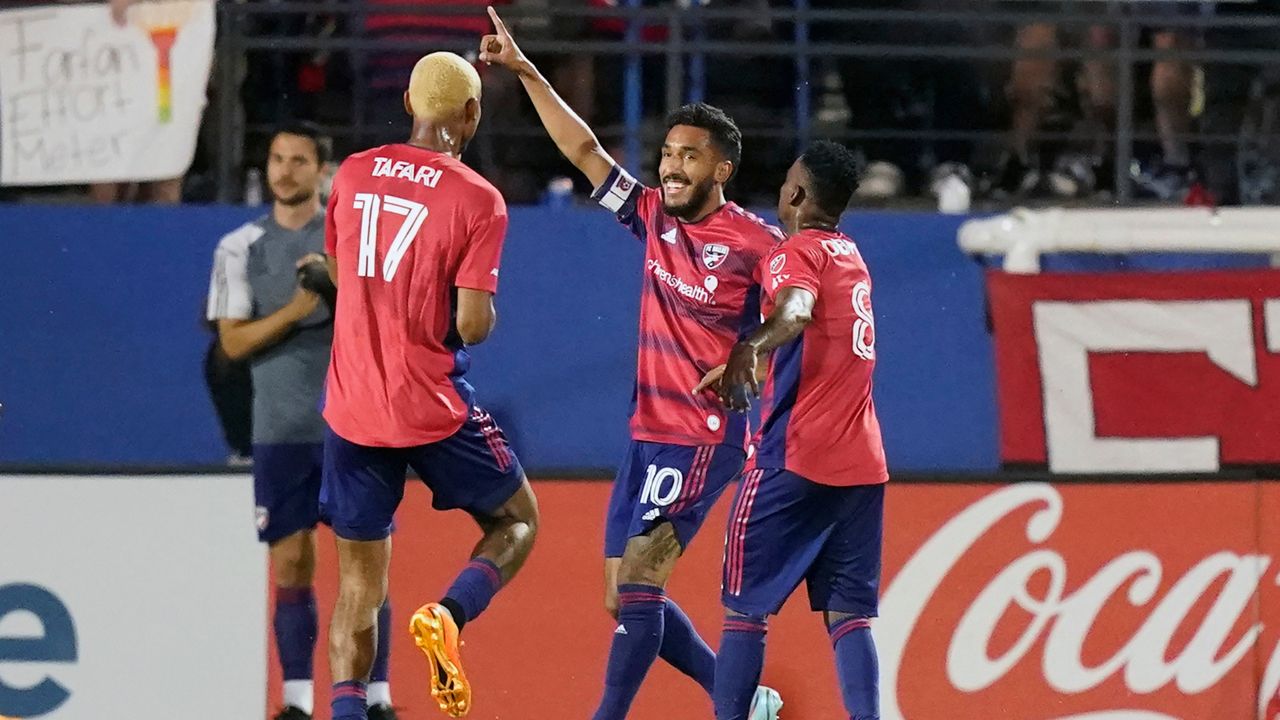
<point x="441" y="85"/>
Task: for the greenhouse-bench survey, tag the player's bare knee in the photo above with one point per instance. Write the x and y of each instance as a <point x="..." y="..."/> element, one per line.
<point x="362" y="593"/>
<point x="293" y="560"/>
<point x="831" y="618"/>
<point x="517" y="518"/>
<point x="650" y="559"/>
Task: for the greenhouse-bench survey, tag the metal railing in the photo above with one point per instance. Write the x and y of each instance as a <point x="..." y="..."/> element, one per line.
<point x="688" y="45"/>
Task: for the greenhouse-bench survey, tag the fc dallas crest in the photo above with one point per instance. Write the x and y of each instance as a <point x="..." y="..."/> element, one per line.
<point x="713" y="255"/>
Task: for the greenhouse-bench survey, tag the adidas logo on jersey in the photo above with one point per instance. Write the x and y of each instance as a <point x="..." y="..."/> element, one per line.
<point x="670" y="236"/>
<point x="651" y="515"/>
<point x="622" y="630"/>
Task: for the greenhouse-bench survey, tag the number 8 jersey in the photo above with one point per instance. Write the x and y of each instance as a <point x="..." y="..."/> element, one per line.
<point x="407" y="226"/>
<point x="819" y="418"/>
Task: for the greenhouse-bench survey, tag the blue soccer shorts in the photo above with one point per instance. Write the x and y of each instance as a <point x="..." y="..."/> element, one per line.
<point x="286" y="488"/>
<point x="474" y="470"/>
<point x="660" y="483"/>
<point x="784" y="529"/>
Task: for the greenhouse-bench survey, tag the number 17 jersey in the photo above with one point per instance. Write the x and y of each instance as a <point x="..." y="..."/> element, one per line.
<point x="408" y="226"/>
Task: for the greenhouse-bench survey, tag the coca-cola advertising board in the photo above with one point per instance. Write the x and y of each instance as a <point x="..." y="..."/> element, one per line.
<point x="1023" y="601"/>
<point x="1175" y="372"/>
<point x="1092" y="601"/>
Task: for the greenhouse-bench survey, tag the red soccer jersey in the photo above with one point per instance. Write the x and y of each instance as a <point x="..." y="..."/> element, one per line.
<point x="699" y="296"/>
<point x="407" y="226"/>
<point x="819" y="419"/>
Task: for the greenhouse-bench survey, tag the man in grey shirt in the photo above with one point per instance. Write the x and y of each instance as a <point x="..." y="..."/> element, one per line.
<point x="285" y="330"/>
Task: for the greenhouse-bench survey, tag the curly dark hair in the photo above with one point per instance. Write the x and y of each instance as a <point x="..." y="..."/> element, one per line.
<point x="725" y="134"/>
<point x="833" y="170"/>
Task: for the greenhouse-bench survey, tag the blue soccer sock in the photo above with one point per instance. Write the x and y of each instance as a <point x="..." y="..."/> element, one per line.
<point x="641" y="611"/>
<point x="348" y="701"/>
<point x="472" y="591"/>
<point x="295" y="630"/>
<point x="379" y="691"/>
<point x="684" y="649"/>
<point x="738" y="666"/>
<point x="857" y="667"/>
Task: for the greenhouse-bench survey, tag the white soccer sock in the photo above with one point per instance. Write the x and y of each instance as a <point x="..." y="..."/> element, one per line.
<point x="300" y="694"/>
<point x="378" y="693"/>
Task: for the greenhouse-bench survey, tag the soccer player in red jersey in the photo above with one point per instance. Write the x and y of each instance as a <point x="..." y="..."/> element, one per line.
<point x="811" y="503"/>
<point x="699" y="297"/>
<point x="414" y="239"/>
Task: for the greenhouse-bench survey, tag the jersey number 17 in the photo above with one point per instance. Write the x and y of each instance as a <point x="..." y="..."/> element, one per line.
<point x="371" y="207"/>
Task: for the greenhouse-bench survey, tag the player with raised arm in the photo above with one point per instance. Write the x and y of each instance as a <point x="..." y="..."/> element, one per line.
<point x="414" y="240"/>
<point x="698" y="298"/>
<point x="811" y="503"/>
<point x="281" y="321"/>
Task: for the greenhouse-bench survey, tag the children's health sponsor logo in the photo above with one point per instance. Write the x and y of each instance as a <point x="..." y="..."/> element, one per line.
<point x="698" y="293"/>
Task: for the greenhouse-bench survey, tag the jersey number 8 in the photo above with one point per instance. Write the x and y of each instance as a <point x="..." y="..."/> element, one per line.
<point x="864" y="328"/>
<point x="371" y="207"/>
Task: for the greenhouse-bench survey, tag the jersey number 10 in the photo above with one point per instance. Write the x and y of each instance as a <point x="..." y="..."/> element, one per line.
<point x="371" y="207"/>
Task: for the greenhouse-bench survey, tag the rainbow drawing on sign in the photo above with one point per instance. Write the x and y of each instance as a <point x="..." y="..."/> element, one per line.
<point x="163" y="38"/>
<point x="162" y="21"/>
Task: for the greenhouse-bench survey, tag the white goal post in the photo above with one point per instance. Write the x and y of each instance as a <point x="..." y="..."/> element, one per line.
<point x="1023" y="235"/>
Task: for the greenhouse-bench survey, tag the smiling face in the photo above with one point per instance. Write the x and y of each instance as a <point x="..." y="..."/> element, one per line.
<point x="293" y="168"/>
<point x="690" y="170"/>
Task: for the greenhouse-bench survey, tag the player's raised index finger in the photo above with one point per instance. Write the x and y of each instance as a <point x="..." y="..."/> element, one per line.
<point x="500" y="26"/>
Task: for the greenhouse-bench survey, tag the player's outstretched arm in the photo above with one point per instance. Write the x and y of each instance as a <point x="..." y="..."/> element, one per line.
<point x="576" y="141"/>
<point x="791" y="315"/>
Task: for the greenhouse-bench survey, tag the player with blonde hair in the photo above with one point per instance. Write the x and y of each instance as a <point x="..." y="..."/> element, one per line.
<point x="414" y="240"/>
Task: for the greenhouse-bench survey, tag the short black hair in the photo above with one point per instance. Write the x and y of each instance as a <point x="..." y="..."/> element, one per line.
<point x="725" y="134"/>
<point x="833" y="168"/>
<point x="309" y="130"/>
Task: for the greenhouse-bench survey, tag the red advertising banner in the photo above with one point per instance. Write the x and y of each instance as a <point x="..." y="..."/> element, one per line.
<point x="1138" y="372"/>
<point x="1027" y="601"/>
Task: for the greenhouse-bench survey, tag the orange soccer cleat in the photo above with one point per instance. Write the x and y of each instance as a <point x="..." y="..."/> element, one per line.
<point x="436" y="634"/>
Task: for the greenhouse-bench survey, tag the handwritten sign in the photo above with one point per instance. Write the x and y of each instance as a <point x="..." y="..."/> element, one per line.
<point x="84" y="100"/>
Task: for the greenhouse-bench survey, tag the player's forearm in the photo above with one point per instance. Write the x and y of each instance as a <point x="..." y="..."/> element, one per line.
<point x="781" y="328"/>
<point x="243" y="340"/>
<point x="570" y="133"/>
<point x="789" y="318"/>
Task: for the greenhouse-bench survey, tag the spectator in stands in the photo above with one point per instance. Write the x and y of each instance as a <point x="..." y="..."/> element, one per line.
<point x="908" y="94"/>
<point x="739" y="94"/>
<point x="1236" y="99"/>
<point x="1030" y="94"/>
<point x="453" y="27"/>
